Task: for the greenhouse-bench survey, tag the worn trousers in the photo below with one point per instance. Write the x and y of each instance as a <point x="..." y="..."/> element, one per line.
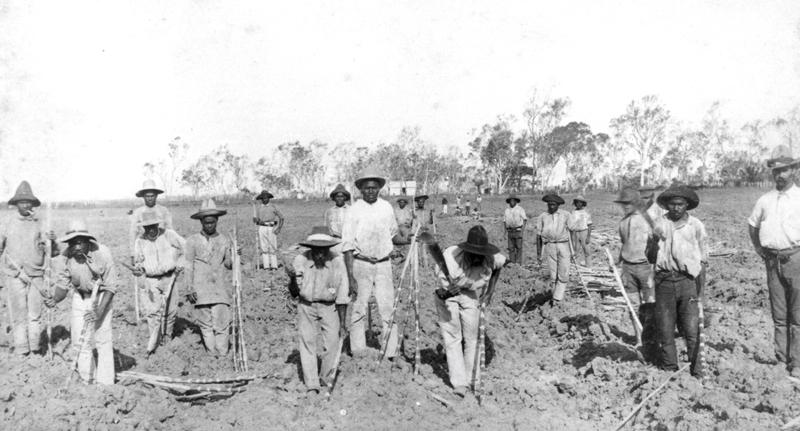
<point x="458" y="318"/>
<point x="268" y="243"/>
<point x="215" y="324"/>
<point x="515" y="246"/>
<point x="579" y="238"/>
<point x="373" y="279"/>
<point x="153" y="297"/>
<point x="26" y="310"/>
<point x="100" y="370"/>
<point x="783" y="282"/>
<point x="676" y="302"/>
<point x="311" y="316"/>
<point x="638" y="278"/>
<point x="557" y="257"/>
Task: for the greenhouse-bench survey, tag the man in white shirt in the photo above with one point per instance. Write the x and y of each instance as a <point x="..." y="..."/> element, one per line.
<point x="514" y="220"/>
<point x="775" y="233"/>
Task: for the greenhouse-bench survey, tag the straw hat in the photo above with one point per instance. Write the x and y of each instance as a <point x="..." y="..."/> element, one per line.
<point x="402" y="199"/>
<point x="77" y="228"/>
<point x="580" y="198"/>
<point x="320" y="237"/>
<point x="679" y="191"/>
<point x="782" y="158"/>
<point x="208" y="208"/>
<point x="150" y="218"/>
<point x="24" y="193"/>
<point x="370" y="173"/>
<point x="148" y="186"/>
<point x="340" y="189"/>
<point x="478" y="242"/>
<point x="512" y="197"/>
<point x="552" y="197"/>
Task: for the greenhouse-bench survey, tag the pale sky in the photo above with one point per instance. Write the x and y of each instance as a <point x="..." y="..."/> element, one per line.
<point x="90" y="90"/>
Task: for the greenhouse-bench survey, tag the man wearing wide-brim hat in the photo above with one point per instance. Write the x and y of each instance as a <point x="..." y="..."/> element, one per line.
<point x="158" y="254"/>
<point x="335" y="215"/>
<point x="322" y="288"/>
<point x="580" y="228"/>
<point x="368" y="238"/>
<point x="208" y="260"/>
<point x="775" y="234"/>
<point x="680" y="269"/>
<point x="149" y="194"/>
<point x="22" y="244"/>
<point x="552" y="236"/>
<point x="421" y="215"/>
<point x="514" y="220"/>
<point x="84" y="264"/>
<point x="270" y="222"/>
<point x="474" y="267"/>
<point x="405" y="218"/>
<point x="635" y="268"/>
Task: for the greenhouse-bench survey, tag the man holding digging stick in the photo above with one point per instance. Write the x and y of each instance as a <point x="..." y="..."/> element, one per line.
<point x="270" y="222"/>
<point x="367" y="241"/>
<point x="775" y="234"/>
<point x="22" y="244"/>
<point x="158" y="254"/>
<point x="552" y="235"/>
<point x="322" y="288"/>
<point x="87" y="268"/>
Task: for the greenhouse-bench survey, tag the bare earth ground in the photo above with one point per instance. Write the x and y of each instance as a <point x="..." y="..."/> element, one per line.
<point x="570" y="367"/>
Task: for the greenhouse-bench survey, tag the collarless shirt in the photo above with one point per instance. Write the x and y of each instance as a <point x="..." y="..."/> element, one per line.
<point x="269" y="213"/>
<point x="404" y="216"/>
<point x="98" y="267"/>
<point x="776" y="215"/>
<point x="553" y="227"/>
<point x="580" y="220"/>
<point x="465" y="276"/>
<point x="20" y="237"/>
<point x="334" y="219"/>
<point x="328" y="283"/>
<point x="207" y="259"/>
<point x="369" y="229"/>
<point x="682" y="247"/>
<point x="514" y="217"/>
<point x="162" y="255"/>
<point x="136" y="217"/>
<point x="633" y="233"/>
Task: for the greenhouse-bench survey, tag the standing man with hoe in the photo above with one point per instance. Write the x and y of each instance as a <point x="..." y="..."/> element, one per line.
<point x="775" y="234"/>
<point x="368" y="236"/>
<point x="270" y="222"/>
<point x="514" y="220"/>
<point x="22" y="244"/>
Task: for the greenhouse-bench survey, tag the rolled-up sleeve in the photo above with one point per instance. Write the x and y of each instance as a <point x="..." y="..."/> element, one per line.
<point x="343" y="283"/>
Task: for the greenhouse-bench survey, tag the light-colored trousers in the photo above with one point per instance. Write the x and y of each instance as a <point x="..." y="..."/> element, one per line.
<point x="215" y="323"/>
<point x="102" y="369"/>
<point x="269" y="246"/>
<point x="373" y="279"/>
<point x="579" y="238"/>
<point x="152" y="296"/>
<point x="557" y="256"/>
<point x="458" y="319"/>
<point x="309" y="315"/>
<point x="26" y="310"/>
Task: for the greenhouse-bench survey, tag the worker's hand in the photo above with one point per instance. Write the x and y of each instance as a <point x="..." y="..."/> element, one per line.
<point x="256" y="220"/>
<point x="137" y="272"/>
<point x="442" y="293"/>
<point x="49" y="302"/>
<point x="178" y="270"/>
<point x="133" y="261"/>
<point x="24" y="278"/>
<point x="342" y="330"/>
<point x="760" y="251"/>
<point x="90" y="315"/>
<point x="588" y="240"/>
<point x="191" y="297"/>
<point x="239" y="249"/>
<point x="277" y="231"/>
<point x="51" y="236"/>
<point x="353" y="287"/>
<point x="539" y="260"/>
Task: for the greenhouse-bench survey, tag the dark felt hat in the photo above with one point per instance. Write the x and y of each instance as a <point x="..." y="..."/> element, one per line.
<point x="552" y="197"/>
<point x="148" y="186"/>
<point x="679" y="191"/>
<point x="478" y="242"/>
<point x="420" y="198"/>
<point x="782" y="158"/>
<point x="262" y="195"/>
<point x="512" y="197"/>
<point x="24" y="193"/>
<point x="340" y="189"/>
<point x="208" y="208"/>
<point x="320" y="237"/>
<point x="627" y="196"/>
<point x="402" y="199"/>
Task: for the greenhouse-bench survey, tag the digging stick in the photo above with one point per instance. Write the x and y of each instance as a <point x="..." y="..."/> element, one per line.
<point x="160" y="329"/>
<point x="48" y="251"/>
<point x="578" y="270"/>
<point x="647" y="398"/>
<point x="637" y="325"/>
<point x="333" y="375"/>
<point x="135" y="290"/>
<point x="700" y="282"/>
<point x="480" y="351"/>
<point x="415" y="287"/>
<point x="257" y="248"/>
<point x="87" y="333"/>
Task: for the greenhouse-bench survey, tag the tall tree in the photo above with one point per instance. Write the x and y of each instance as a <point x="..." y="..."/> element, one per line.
<point x="494" y="147"/>
<point x="642" y="129"/>
<point x="542" y="115"/>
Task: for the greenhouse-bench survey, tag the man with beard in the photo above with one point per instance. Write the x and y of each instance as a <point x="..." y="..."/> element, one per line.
<point x="775" y="234"/>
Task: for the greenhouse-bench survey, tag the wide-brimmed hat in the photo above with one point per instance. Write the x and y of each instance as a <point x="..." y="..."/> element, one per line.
<point x="24" y="193"/>
<point x="627" y="196"/>
<point x="320" y="237"/>
<point x="262" y="195"/>
<point x="580" y="198"/>
<point x="340" y="189"/>
<point x="208" y="208"/>
<point x="148" y="186"/>
<point x="512" y="198"/>
<point x="402" y="199"/>
<point x="370" y="173"/>
<point x="150" y="218"/>
<point x="679" y="191"/>
<point x="478" y="242"/>
<point x="76" y="229"/>
<point x="420" y="198"/>
<point x="782" y="158"/>
<point x="552" y="197"/>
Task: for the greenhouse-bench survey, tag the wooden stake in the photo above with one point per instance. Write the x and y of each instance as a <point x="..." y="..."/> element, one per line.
<point x="415" y="287"/>
<point x="647" y="398"/>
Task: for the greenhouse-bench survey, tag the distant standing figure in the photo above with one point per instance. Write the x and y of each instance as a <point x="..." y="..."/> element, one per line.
<point x="405" y="219"/>
<point x="468" y="208"/>
<point x="775" y="234"/>
<point x="335" y="215"/>
<point x="478" y="200"/>
<point x="581" y="228"/>
<point x="514" y="220"/>
<point x="421" y="215"/>
<point x="149" y="193"/>
<point x="552" y="235"/>
<point x="444" y="205"/>
<point x="270" y="222"/>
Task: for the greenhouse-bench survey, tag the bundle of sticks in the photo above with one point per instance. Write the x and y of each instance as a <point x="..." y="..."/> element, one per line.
<point x="237" y="324"/>
<point x="193" y="390"/>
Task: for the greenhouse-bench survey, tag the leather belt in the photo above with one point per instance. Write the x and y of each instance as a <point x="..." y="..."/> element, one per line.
<point x="166" y="274"/>
<point x="555" y="242"/>
<point x="784" y="254"/>
<point x="371" y="260"/>
<point x="269" y="223"/>
<point x="306" y="302"/>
